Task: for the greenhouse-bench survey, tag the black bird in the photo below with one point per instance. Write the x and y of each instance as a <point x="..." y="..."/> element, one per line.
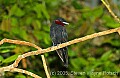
<point x="59" y="35"/>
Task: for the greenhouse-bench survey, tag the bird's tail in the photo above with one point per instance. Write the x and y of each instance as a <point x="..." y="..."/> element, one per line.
<point x="63" y="54"/>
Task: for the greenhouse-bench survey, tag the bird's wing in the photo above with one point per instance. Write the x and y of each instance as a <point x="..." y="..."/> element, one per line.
<point x="64" y="36"/>
<point x="58" y="36"/>
<point x="62" y="52"/>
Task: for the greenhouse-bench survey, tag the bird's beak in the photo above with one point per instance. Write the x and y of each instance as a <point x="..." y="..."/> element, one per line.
<point x="65" y="23"/>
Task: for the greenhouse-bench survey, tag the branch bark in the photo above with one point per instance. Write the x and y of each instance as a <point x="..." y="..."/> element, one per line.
<point x="12" y="69"/>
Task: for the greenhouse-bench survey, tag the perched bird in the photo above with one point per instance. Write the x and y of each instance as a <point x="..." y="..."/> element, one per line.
<point x="59" y="35"/>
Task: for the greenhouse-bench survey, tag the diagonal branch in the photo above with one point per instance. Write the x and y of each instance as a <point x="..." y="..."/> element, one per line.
<point x="25" y="72"/>
<point x="12" y="69"/>
<point x="19" y="42"/>
<point x="111" y="12"/>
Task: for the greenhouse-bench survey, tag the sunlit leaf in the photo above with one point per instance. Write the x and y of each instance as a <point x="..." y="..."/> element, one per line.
<point x="37" y="9"/>
<point x="1" y="58"/>
<point x="14" y="22"/>
<point x="8" y="47"/>
<point x="38" y="34"/>
<point x="20" y="76"/>
<point x="23" y="34"/>
<point x="106" y="55"/>
<point x="29" y="20"/>
<point x="78" y="62"/>
<point x="15" y="30"/>
<point x="72" y="53"/>
<point x="5" y="51"/>
<point x="46" y="28"/>
<point x="110" y="22"/>
<point x="37" y="24"/>
<point x="44" y="11"/>
<point x="93" y="14"/>
<point x="10" y="59"/>
<point x="15" y="10"/>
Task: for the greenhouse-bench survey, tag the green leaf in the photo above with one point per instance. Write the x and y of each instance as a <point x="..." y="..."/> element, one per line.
<point x="97" y="11"/>
<point x="105" y="56"/>
<point x="75" y="63"/>
<point x="15" y="10"/>
<point x="72" y="53"/>
<point x="14" y="22"/>
<point x="8" y="2"/>
<point x="37" y="9"/>
<point x="115" y="43"/>
<point x="96" y="64"/>
<point x="46" y="28"/>
<point x="76" y="4"/>
<point x="110" y="22"/>
<point x="37" y="24"/>
<point x="78" y="62"/>
<point x="23" y="34"/>
<point x="20" y="76"/>
<point x="1" y="58"/>
<point x="10" y="59"/>
<point x="8" y="47"/>
<point x="38" y="34"/>
<point x="5" y="51"/>
<point x="19" y="12"/>
<point x="29" y="20"/>
<point x="44" y="11"/>
<point x="20" y="32"/>
<point x="15" y="30"/>
<point x="46" y="38"/>
<point x="93" y="14"/>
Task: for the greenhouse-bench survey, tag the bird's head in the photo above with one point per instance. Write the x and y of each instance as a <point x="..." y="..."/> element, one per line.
<point x="60" y="21"/>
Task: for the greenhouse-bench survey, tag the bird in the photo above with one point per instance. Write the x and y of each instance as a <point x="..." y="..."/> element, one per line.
<point x="58" y="36"/>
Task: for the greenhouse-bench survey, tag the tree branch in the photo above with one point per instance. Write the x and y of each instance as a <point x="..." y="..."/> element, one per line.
<point x="12" y="69"/>
<point x="19" y="42"/>
<point x="45" y="66"/>
<point x="15" y="64"/>
<point x="111" y="12"/>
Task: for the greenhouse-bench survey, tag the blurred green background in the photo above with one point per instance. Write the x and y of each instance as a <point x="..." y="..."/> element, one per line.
<point x="30" y="20"/>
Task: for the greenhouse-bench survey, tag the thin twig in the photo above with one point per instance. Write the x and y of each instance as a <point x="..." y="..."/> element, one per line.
<point x="19" y="42"/>
<point x="111" y="12"/>
<point x="20" y="57"/>
<point x="45" y="66"/>
<point x="25" y="72"/>
<point x="118" y="31"/>
<point x="12" y="69"/>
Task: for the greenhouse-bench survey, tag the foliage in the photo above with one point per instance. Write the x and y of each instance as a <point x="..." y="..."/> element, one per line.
<point x="30" y="20"/>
